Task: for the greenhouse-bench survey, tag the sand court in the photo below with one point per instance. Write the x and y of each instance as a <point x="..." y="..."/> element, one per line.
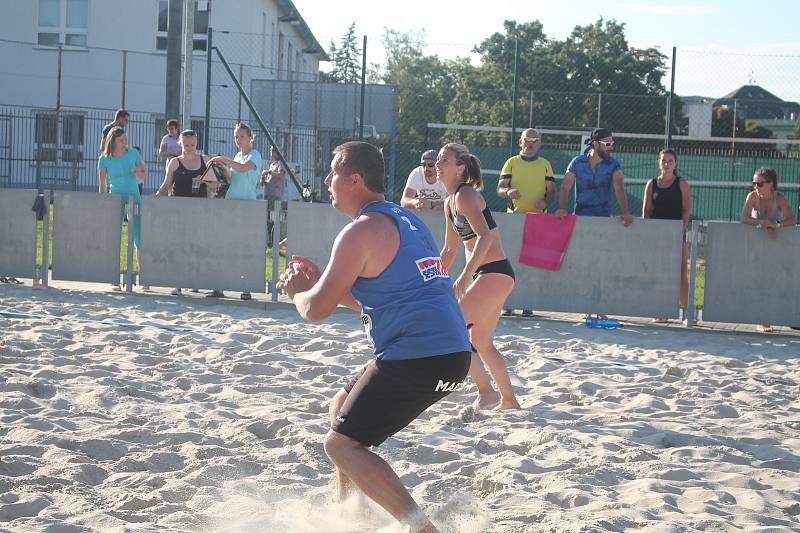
<point x="150" y="413"/>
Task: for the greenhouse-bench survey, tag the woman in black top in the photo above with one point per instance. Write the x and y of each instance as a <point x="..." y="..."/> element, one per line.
<point x="667" y="197"/>
<point x="487" y="278"/>
<point x="183" y="169"/>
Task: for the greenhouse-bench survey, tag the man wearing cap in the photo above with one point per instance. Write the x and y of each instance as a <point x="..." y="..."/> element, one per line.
<point x="526" y="180"/>
<point x="423" y="190"/>
<point x="593" y="174"/>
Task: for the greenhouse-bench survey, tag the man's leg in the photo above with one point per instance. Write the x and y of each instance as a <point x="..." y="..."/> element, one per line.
<point x="376" y="479"/>
<point x="344" y="487"/>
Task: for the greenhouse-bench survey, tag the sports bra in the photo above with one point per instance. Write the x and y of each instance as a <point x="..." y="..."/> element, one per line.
<point x="461" y="224"/>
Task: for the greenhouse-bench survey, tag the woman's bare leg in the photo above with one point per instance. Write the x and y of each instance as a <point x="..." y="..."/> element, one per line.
<point x="481" y="306"/>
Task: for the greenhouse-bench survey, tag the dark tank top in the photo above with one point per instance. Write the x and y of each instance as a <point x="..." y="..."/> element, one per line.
<point x="182" y="178"/>
<point x="667" y="203"/>
<point x="461" y="224"/>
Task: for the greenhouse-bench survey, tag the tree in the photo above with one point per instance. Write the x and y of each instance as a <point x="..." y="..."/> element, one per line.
<point x="346" y="59"/>
<point x="564" y="84"/>
<point x="424" y="84"/>
<point x="722" y="126"/>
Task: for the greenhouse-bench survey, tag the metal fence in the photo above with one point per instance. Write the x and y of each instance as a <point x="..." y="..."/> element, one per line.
<point x="59" y="148"/>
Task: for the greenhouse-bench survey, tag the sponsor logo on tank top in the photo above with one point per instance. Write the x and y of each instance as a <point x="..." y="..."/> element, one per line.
<point x="430" y="268"/>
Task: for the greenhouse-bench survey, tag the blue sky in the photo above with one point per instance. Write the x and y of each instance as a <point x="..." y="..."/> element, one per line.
<point x="721" y="45"/>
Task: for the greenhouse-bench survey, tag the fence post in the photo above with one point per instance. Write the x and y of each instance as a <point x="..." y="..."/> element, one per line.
<point x="668" y="140"/>
<point x="124" y="75"/>
<point x="514" y="99"/>
<point x="599" y="106"/>
<point x="44" y="273"/>
<point x="132" y="212"/>
<point x="363" y="89"/>
<point x="690" y="307"/>
<point x="207" y="124"/>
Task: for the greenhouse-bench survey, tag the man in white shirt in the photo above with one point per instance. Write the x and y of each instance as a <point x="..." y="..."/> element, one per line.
<point x="423" y="190"/>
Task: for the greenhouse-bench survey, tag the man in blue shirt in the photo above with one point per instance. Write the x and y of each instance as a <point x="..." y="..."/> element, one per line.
<point x="593" y="174"/>
<point x="386" y="265"/>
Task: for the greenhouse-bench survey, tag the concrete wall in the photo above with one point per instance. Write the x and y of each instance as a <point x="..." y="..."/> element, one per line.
<point x="751" y="278"/>
<point x="608" y="268"/>
<point x="86" y="236"/>
<point x="200" y="243"/>
<point x="631" y="271"/>
<point x="312" y="228"/>
<point x="17" y="233"/>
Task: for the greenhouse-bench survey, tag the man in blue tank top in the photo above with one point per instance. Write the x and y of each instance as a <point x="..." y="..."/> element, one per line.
<point x="385" y="264"/>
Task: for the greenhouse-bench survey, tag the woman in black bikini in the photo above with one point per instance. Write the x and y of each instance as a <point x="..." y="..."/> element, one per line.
<point x="487" y="278"/>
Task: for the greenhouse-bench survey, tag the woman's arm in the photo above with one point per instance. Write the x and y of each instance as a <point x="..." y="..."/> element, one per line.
<point x="230" y="163"/>
<point x="166" y="185"/>
<point x="101" y="179"/>
<point x="686" y="203"/>
<point x="450" y="249"/>
<point x="748" y="209"/>
<point x="647" y="205"/>
<point x="789" y="218"/>
<point x="470" y="203"/>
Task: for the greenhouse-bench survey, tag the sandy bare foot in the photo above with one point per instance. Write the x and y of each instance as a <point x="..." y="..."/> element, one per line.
<point x="764" y="328"/>
<point x="487" y="402"/>
<point x="509" y="406"/>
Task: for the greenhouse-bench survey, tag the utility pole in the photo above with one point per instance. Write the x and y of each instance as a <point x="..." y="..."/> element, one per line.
<point x="188" y="54"/>
<point x="172" y="102"/>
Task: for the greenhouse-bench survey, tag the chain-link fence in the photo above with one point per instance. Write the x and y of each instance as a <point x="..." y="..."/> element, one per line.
<point x="740" y="113"/>
<point x="737" y="112"/>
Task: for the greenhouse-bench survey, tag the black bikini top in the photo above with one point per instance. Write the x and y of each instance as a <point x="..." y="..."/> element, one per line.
<point x="461" y="224"/>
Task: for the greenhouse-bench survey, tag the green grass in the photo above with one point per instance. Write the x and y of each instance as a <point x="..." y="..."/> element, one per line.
<point x="699" y="286"/>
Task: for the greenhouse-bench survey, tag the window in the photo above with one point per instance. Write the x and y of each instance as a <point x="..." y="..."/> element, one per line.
<point x="201" y="10"/>
<point x="48" y="130"/>
<point x="62" y="22"/>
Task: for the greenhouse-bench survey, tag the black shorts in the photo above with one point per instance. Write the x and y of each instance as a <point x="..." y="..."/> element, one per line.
<point x="385" y="396"/>
<point x="503" y="266"/>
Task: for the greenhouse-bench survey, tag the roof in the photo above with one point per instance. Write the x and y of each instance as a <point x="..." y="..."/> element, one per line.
<point x="290" y="14"/>
<point x="753" y="101"/>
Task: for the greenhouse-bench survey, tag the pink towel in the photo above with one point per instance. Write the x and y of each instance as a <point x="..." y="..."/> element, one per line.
<point x="545" y="239"/>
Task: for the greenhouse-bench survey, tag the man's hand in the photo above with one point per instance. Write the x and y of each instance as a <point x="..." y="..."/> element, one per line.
<point x="301" y="274"/>
<point x="561" y="213"/>
<point x="513" y="194"/>
<point x="627" y="219"/>
<point x="541" y="205"/>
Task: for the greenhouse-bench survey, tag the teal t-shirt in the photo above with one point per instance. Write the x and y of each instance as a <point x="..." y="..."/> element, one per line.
<point x="243" y="184"/>
<point x="119" y="170"/>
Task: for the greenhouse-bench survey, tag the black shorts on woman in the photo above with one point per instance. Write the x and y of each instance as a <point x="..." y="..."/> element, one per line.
<point x="385" y="396"/>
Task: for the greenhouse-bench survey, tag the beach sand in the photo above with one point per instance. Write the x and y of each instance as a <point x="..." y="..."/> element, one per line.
<point x="199" y="418"/>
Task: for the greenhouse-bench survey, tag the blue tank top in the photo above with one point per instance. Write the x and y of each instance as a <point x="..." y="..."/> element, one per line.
<point x="409" y="310"/>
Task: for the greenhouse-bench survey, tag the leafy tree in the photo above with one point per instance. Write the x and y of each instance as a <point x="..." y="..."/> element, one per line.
<point x="722" y="126"/>
<point x="424" y="83"/>
<point x="561" y="81"/>
<point x="346" y="59"/>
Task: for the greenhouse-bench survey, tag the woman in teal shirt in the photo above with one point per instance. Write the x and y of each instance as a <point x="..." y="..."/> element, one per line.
<point x="245" y="170"/>
<point x="121" y="165"/>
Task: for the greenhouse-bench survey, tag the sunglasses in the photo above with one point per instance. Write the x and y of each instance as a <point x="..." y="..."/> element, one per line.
<point x="607" y="144"/>
<point x="759" y="184"/>
<point x="429" y="165"/>
<point x="531" y="139"/>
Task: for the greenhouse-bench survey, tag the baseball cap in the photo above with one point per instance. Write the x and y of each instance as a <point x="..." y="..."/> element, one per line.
<point x="428" y="154"/>
<point x="599" y="133"/>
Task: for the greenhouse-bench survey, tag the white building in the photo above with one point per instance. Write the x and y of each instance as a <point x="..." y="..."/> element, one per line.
<point x="113" y="54"/>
